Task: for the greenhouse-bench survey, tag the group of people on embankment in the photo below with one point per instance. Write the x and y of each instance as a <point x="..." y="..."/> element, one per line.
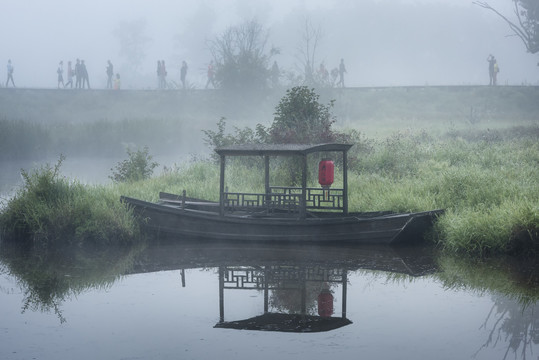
<point x="77" y="75"/>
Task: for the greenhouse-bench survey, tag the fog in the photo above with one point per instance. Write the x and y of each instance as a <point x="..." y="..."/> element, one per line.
<point x="382" y="42"/>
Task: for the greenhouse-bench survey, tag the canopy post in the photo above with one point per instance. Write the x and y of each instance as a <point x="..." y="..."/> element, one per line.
<point x="303" y="199"/>
<point x="222" y="187"/>
<point x="345" y="182"/>
<point x="267" y="180"/>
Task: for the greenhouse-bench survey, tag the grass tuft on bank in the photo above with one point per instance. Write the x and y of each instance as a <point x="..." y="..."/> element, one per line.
<point x="52" y="211"/>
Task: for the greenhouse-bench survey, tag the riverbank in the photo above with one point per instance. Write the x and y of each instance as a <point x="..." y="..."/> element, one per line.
<point x="488" y="184"/>
<point x="418" y="149"/>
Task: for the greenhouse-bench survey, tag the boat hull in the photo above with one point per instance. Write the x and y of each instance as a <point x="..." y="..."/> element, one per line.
<point x="167" y="220"/>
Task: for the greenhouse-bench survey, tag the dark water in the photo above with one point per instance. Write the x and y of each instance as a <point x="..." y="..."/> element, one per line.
<point x="172" y="301"/>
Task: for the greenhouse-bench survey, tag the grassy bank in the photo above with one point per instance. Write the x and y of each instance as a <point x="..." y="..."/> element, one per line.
<point x="488" y="184"/>
<point x="472" y="151"/>
<point x="51" y="211"/>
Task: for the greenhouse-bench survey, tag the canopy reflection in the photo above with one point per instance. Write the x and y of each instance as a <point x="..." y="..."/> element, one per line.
<point x="298" y="283"/>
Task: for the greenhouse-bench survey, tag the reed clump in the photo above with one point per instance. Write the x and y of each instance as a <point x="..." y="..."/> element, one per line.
<point x="52" y="211"/>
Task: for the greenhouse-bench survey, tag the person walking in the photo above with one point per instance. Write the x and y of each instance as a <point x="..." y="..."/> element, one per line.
<point x="60" y="72"/>
<point x="496" y="71"/>
<point x="10" y="70"/>
<point x="117" y="82"/>
<point x="183" y="74"/>
<point x="110" y="72"/>
<point x="84" y="75"/>
<point x="163" y="75"/>
<point x="342" y="70"/>
<point x="78" y="74"/>
<point x="159" y="71"/>
<point x="275" y="73"/>
<point x="70" y="74"/>
<point x="491" y="61"/>
<point x="211" y="75"/>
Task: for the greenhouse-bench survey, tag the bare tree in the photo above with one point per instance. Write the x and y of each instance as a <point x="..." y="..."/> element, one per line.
<point x="241" y="61"/>
<point x="526" y="25"/>
<point x="307" y="48"/>
<point x="133" y="42"/>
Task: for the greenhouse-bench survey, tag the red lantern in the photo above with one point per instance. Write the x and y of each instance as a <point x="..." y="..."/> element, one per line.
<point x="325" y="172"/>
<point x="325" y="303"/>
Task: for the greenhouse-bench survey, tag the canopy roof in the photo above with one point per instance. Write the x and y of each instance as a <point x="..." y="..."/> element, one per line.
<point x="279" y="149"/>
<point x="286" y="323"/>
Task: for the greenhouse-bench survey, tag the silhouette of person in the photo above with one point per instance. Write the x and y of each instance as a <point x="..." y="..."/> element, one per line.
<point x="163" y="75"/>
<point x="117" y="83"/>
<point x="60" y="72"/>
<point x="308" y="73"/>
<point x="159" y="71"/>
<point x="496" y="71"/>
<point x="323" y="74"/>
<point x="78" y="74"/>
<point x="334" y="74"/>
<point x="342" y="70"/>
<point x="10" y="70"/>
<point x="110" y="72"/>
<point x="84" y="75"/>
<point x="183" y="73"/>
<point x="211" y="75"/>
<point x="70" y="74"/>
<point x="275" y="72"/>
<point x="491" y="61"/>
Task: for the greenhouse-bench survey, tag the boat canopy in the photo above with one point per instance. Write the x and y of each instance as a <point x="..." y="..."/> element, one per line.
<point x="279" y="149"/>
<point x="299" y="198"/>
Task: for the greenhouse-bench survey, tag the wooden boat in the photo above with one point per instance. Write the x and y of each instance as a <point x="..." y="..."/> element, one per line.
<point x="281" y="214"/>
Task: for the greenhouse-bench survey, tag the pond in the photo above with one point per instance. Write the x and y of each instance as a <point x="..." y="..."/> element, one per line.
<point x="188" y="300"/>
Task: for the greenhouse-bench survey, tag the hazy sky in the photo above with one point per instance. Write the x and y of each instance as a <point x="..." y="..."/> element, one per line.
<point x="383" y="42"/>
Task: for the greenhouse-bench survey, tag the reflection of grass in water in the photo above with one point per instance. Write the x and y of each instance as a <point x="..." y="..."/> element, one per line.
<point x="514" y="288"/>
<point x="516" y="279"/>
<point x="48" y="278"/>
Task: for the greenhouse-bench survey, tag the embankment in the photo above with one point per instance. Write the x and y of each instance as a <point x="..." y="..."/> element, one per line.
<point x="97" y="122"/>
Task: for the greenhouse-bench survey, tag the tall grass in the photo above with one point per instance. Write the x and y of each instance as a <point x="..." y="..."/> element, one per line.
<point x="488" y="186"/>
<point x="490" y="189"/>
<point x="52" y="211"/>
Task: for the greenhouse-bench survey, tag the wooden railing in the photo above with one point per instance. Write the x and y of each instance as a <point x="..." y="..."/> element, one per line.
<point x="285" y="198"/>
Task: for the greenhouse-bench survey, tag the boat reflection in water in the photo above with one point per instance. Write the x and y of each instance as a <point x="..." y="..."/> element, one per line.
<point x="283" y="281"/>
<point x="300" y="285"/>
<point x="382" y="302"/>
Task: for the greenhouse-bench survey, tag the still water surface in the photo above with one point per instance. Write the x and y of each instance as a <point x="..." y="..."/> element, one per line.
<point x="173" y="301"/>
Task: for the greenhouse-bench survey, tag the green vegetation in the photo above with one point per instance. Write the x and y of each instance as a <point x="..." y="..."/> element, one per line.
<point x="482" y="168"/>
<point x="51" y="212"/>
<point x="490" y="189"/>
<point x="137" y="167"/>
